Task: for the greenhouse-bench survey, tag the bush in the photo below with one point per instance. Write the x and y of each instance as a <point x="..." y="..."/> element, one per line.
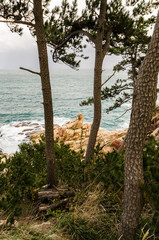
<point x="151" y="172"/>
<point x="26" y="172"/>
<point x="108" y="169"/>
<point x="151" y="176"/>
<point x="70" y="168"/>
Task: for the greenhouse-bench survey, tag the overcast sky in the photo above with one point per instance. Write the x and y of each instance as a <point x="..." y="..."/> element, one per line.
<point x="21" y="51"/>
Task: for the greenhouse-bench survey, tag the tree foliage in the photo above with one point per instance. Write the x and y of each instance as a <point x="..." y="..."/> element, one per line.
<point x="132" y="48"/>
<point x="104" y="24"/>
<point x="57" y="29"/>
<point x="65" y="28"/>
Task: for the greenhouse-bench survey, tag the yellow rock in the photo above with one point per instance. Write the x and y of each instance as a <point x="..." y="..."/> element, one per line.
<point x="85" y="126"/>
<point x="155" y="133"/>
<point x="76" y="134"/>
<point x="36" y="135"/>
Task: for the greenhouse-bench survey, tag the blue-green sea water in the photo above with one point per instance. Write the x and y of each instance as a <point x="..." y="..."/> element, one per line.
<point x="21" y="100"/>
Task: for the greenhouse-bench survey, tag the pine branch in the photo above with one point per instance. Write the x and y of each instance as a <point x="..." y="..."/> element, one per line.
<point x="18" y="22"/>
<point x="108" y="79"/>
<point x="28" y="70"/>
<point x="123" y="114"/>
<point x="123" y="144"/>
<point x="87" y="34"/>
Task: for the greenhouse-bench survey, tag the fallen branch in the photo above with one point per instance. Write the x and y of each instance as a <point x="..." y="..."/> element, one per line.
<point x="54" y="205"/>
<point x="61" y="188"/>
<point x="48" y="194"/>
<point x="52" y="195"/>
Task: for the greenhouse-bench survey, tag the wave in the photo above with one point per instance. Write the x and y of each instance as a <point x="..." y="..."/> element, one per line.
<point x="15" y="133"/>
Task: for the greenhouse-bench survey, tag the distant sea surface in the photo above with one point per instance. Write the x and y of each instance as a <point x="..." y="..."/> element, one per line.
<point x="21" y="101"/>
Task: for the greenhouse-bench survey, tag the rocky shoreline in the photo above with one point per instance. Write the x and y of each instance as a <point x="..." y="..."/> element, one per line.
<point x="76" y="133"/>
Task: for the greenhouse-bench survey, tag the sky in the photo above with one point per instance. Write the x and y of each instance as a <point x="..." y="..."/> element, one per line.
<point x="21" y="51"/>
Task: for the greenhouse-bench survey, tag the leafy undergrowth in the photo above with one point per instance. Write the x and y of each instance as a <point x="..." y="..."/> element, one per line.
<point x="95" y="212"/>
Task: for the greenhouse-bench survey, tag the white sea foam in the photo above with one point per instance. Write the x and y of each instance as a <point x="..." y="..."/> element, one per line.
<point x="125" y="125"/>
<point x="61" y="120"/>
<point x="15" y="133"/>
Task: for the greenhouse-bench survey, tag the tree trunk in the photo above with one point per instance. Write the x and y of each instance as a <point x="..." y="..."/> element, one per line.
<point x="46" y="90"/>
<point x="144" y="100"/>
<point x="99" y="56"/>
<point x="97" y="105"/>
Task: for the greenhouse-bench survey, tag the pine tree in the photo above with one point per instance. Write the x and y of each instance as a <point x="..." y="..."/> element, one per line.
<point x="132" y="49"/>
<point x="144" y="100"/>
<point x="104" y="24"/>
<point x="29" y="13"/>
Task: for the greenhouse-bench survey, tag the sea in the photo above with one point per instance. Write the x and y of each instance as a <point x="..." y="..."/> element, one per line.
<point x="22" y="108"/>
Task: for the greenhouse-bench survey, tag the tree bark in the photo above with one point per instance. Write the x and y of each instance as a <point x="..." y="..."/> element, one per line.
<point x="97" y="82"/>
<point x="97" y="105"/>
<point x="144" y="100"/>
<point x="46" y="90"/>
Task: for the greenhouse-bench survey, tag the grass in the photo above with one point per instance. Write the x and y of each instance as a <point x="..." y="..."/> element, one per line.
<point x="90" y="218"/>
<point x="32" y="231"/>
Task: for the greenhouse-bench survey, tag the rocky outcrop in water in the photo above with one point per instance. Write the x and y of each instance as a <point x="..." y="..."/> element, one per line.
<point x="76" y="134"/>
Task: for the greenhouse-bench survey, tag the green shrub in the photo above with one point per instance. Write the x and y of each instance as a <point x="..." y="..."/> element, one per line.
<point x="151" y="172"/>
<point x="26" y="171"/>
<point x="70" y="168"/>
<point x="109" y="169"/>
<point x="151" y="176"/>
